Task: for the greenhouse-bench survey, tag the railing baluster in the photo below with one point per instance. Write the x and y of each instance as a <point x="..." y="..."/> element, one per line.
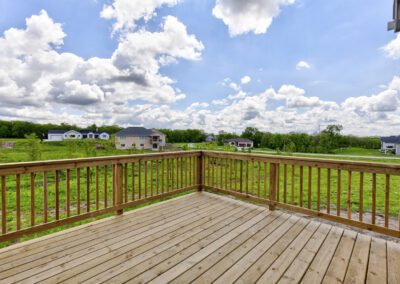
<point x="182" y="170"/>
<point x="162" y="175"/>
<point x="125" y="182"/>
<point x="278" y="181"/>
<point x="339" y="188"/>
<point x="105" y="186"/>
<point x="3" y="205"/>
<point x="247" y="178"/>
<point x="78" y="191"/>
<point x="361" y="201"/>
<point x="140" y="179"/>
<point x="387" y="189"/>
<point x="18" y="201"/>
<point x="349" y="196"/>
<point x="236" y="175"/>
<point x="33" y="199"/>
<point x="252" y="177"/>
<point x="301" y="186"/>
<point x="259" y="180"/>
<point x="57" y="195"/>
<point x="133" y="180"/>
<point x="328" y="191"/>
<point x="177" y="173"/>
<point x="265" y="180"/>
<point x="230" y="173"/>
<point x="145" y="178"/>
<point x="151" y="178"/>
<point x="87" y="189"/>
<point x="293" y="194"/>
<point x="157" y="176"/>
<point x="45" y="197"/>
<point x="221" y="163"/>
<point x="68" y="193"/>
<point x="113" y="184"/>
<point x="167" y="175"/>
<point x="309" y="187"/>
<point x="319" y="189"/>
<point x="284" y="183"/>
<point x="186" y="171"/>
<point x="373" y="213"/>
<point x="97" y="188"/>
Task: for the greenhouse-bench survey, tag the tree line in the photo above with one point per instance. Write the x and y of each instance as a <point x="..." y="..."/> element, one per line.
<point x="324" y="142"/>
<point x="18" y="129"/>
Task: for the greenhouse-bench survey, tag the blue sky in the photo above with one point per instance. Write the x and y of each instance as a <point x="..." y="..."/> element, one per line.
<point x="348" y="76"/>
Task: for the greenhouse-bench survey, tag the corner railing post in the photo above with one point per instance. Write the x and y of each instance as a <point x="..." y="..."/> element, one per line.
<point x="200" y="171"/>
<point x="118" y="186"/>
<point x="272" y="185"/>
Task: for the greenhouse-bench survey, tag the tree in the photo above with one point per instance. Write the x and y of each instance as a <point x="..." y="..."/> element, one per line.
<point x="34" y="147"/>
<point x="329" y="139"/>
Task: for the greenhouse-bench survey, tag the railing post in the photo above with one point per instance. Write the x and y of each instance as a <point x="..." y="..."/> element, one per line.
<point x="200" y="172"/>
<point x="118" y="186"/>
<point x="272" y="185"/>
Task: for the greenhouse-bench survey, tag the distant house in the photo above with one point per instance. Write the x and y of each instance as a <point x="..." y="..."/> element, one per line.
<point x="210" y="138"/>
<point x="240" y="143"/>
<point x="140" y="138"/>
<point x="60" y="135"/>
<point x="391" y="143"/>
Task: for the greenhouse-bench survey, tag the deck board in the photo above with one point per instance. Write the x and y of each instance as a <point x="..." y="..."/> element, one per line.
<point x="203" y="238"/>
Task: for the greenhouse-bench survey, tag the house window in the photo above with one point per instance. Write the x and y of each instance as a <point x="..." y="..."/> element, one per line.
<point x="122" y="137"/>
<point x="72" y="136"/>
<point x="122" y="145"/>
<point x="141" y="145"/>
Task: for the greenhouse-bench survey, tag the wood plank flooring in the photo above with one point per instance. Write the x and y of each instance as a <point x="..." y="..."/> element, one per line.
<point x="203" y="238"/>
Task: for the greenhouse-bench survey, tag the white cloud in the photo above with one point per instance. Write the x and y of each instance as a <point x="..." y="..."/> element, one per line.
<point x="248" y="16"/>
<point x="392" y="49"/>
<point x="34" y="73"/>
<point x="127" y="12"/>
<point x="301" y="65"/>
<point x="245" y="80"/>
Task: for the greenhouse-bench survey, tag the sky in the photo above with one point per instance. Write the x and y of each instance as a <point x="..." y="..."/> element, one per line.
<point x="278" y="65"/>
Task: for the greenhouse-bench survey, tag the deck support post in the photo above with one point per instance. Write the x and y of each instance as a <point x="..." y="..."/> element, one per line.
<point x="118" y="187"/>
<point x="272" y="185"/>
<point x="200" y="171"/>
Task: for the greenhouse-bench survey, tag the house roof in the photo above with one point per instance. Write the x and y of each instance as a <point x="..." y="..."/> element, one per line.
<point x="239" y="140"/>
<point x="57" y="131"/>
<point x="137" y="131"/>
<point x="391" y="139"/>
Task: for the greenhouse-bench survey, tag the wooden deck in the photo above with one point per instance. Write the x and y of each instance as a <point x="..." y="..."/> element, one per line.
<point x="203" y="238"/>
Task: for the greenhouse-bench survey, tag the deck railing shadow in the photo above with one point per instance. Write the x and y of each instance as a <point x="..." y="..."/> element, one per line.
<point x="38" y="196"/>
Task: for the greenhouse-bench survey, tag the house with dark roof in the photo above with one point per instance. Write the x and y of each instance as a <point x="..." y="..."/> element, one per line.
<point x="390" y="144"/>
<point x="140" y="138"/>
<point x="241" y="143"/>
<point x="60" y="135"/>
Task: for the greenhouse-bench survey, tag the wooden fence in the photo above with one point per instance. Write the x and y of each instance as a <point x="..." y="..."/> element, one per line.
<point x="38" y="196"/>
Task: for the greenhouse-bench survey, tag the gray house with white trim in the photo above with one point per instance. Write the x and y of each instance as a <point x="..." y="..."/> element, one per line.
<point x="391" y="143"/>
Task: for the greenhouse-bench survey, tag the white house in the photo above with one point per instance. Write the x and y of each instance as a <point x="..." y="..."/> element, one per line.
<point x="241" y="143"/>
<point x="140" y="138"/>
<point x="391" y="143"/>
<point x="60" y="135"/>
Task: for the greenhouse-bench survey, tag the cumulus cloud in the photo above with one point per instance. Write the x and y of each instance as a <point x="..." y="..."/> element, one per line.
<point x="392" y="48"/>
<point x="248" y="16"/>
<point x="301" y="65"/>
<point x="34" y="73"/>
<point x="245" y="80"/>
<point x="127" y="12"/>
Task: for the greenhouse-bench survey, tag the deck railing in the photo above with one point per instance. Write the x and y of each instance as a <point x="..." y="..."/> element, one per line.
<point x="360" y="194"/>
<point x="38" y="196"/>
